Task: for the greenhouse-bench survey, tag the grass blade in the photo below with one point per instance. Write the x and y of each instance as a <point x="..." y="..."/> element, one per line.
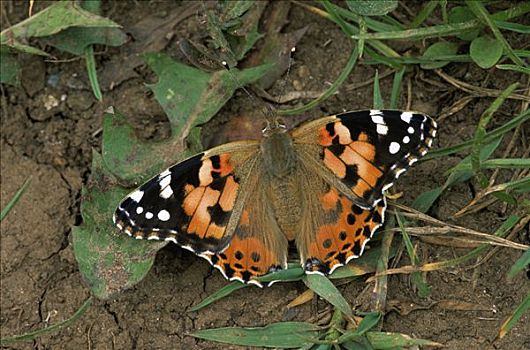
<point x="378" y="98"/>
<point x="424" y="13"/>
<point x="520" y="264"/>
<point x="480" y="132"/>
<point x="92" y="73"/>
<point x="396" y="87"/>
<point x="385" y="340"/>
<point x="516" y="316"/>
<point x="31" y="336"/>
<point x="219" y="294"/>
<point x="457" y="174"/>
<point x="514" y="68"/>
<point x="417" y="279"/>
<point x="15" y="198"/>
<point x="342" y="77"/>
<point x="327" y="290"/>
<point x="369" y="321"/>
<point x="490" y="136"/>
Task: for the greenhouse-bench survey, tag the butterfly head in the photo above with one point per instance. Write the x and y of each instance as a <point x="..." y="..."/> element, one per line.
<point x="273" y="126"/>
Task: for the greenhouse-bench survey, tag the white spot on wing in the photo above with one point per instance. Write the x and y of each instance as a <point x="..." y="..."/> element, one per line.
<point x="394" y="147"/>
<point x="378" y="119"/>
<point x="148" y="215"/>
<point x="406" y="117"/>
<point x="166" y="192"/>
<point x="137" y="196"/>
<point x="163" y="215"/>
<point x="410" y="130"/>
<point x="139" y="210"/>
<point x="382" y="129"/>
<point x="375" y="112"/>
<point x="164" y="182"/>
<point x="406" y="139"/>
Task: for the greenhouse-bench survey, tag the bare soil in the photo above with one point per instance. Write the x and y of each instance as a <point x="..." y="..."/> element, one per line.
<point x="50" y="125"/>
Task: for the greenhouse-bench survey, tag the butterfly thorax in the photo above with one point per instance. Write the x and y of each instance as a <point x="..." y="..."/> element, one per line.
<point x="280" y="172"/>
<point x="279" y="157"/>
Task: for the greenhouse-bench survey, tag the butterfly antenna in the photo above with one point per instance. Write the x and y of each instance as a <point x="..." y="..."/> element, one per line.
<point x="283" y="83"/>
<point x="269" y="110"/>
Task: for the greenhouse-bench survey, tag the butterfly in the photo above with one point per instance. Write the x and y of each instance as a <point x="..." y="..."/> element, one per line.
<point x="320" y="185"/>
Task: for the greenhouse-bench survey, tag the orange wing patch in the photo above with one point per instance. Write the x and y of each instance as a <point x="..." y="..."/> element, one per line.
<point x="338" y="242"/>
<point x="350" y="157"/>
<point x="248" y="256"/>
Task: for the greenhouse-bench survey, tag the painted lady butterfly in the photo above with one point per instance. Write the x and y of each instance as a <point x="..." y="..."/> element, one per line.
<point x="320" y="185"/>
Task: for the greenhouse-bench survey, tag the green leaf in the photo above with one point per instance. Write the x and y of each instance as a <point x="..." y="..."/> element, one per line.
<point x="293" y="273"/>
<point x="76" y="39"/>
<point x="53" y="19"/>
<point x="276" y="335"/>
<point x="441" y="48"/>
<point x="109" y="262"/>
<point x="235" y="8"/>
<point x="190" y="97"/>
<point x="9" y="68"/>
<point x="482" y="14"/>
<point x="322" y="286"/>
<point x="372" y="7"/>
<point x="369" y="321"/>
<point x="128" y="157"/>
<point x="92" y="72"/>
<point x="485" y="51"/>
<point x="461" y="14"/>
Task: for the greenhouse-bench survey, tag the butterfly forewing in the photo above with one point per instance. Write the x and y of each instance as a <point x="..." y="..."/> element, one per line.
<point x="367" y="150"/>
<point x="195" y="203"/>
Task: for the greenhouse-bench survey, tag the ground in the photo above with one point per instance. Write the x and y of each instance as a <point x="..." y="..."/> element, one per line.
<point x="52" y="123"/>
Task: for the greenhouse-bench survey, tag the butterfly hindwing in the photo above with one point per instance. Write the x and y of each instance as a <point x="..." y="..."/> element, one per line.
<point x="195" y="203"/>
<point x="342" y="238"/>
<point x="258" y="245"/>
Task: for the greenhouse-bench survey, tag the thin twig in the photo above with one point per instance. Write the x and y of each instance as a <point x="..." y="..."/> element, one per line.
<point x="472" y="89"/>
